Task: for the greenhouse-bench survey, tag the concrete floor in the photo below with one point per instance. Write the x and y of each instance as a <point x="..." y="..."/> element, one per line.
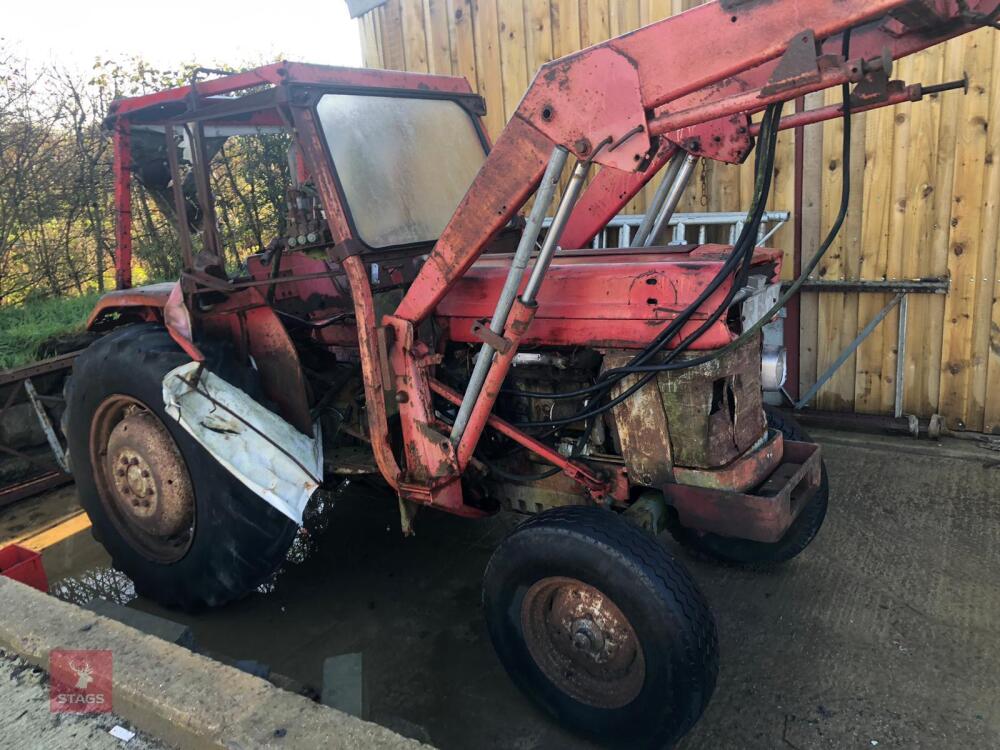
<point x="884" y="633"/>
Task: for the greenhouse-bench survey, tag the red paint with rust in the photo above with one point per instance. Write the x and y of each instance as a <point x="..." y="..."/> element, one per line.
<point x="518" y="324"/>
<point x="740" y="475"/>
<point x="246" y="319"/>
<point x="597" y="487"/>
<point x="626" y="104"/>
<point x="763" y="515"/>
<point x="144" y="302"/>
<point x="620" y="299"/>
<point x="291" y="72"/>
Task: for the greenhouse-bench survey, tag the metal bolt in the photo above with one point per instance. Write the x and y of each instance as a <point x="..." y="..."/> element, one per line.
<point x="145" y="473"/>
<point x="120" y="472"/>
<point x="587" y="636"/>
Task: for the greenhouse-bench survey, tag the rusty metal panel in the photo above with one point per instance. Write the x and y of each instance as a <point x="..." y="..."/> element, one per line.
<point x="643" y="428"/>
<point x="742" y="474"/>
<point x="619" y="299"/>
<point x="716" y="408"/>
<point x="763" y="516"/>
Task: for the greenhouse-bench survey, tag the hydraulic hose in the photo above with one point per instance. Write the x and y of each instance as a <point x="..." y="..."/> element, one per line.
<point x="743" y="251"/>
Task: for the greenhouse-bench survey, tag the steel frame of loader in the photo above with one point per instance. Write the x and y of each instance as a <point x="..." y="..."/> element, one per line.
<point x="628" y="105"/>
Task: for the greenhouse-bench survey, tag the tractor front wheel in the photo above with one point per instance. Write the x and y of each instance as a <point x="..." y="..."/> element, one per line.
<point x="595" y="620"/>
<point x="185" y="530"/>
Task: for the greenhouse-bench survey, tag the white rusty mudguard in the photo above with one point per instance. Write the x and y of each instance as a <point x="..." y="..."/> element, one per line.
<point x="257" y="446"/>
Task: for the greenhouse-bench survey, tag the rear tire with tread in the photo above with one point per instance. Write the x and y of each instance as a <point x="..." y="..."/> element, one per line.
<point x="239" y="540"/>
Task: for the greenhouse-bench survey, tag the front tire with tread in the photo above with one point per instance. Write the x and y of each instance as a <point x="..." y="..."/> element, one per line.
<point x="667" y="613"/>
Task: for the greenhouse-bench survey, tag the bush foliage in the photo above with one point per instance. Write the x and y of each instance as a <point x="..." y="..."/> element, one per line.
<point x="57" y="241"/>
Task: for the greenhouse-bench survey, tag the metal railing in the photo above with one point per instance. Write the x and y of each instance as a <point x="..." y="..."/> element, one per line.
<point x="680" y="224"/>
<point x="623" y="228"/>
<point x="52" y="469"/>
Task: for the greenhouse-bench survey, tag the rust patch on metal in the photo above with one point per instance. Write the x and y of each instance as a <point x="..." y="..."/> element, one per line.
<point x="643" y="428"/>
<point x="583" y="642"/>
<point x="716" y="409"/>
<point x="763" y="516"/>
<point x="742" y="474"/>
<point x="149" y="481"/>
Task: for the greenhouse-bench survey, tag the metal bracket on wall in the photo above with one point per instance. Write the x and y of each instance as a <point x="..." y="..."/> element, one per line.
<point x="901" y="291"/>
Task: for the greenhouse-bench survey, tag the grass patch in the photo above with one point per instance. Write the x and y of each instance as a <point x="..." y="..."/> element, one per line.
<point x="24" y="328"/>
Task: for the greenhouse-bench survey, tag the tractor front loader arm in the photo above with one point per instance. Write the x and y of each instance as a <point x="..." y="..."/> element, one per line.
<point x="689" y="82"/>
<point x="612" y="189"/>
<point x="724" y="58"/>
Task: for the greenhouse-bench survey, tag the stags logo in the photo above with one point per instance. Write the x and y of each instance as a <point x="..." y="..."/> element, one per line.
<point x="80" y="681"/>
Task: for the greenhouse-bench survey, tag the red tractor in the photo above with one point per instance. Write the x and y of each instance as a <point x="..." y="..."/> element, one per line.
<point x="412" y="323"/>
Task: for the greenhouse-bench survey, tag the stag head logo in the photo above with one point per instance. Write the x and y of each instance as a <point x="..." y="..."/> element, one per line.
<point x="84" y="674"/>
<point x="80" y="680"/>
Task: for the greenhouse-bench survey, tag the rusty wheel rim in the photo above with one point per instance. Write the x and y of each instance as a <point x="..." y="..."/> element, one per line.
<point x="582" y="642"/>
<point x="142" y="480"/>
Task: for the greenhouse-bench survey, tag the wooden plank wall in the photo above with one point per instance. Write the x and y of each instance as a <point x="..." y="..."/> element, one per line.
<point x="925" y="190"/>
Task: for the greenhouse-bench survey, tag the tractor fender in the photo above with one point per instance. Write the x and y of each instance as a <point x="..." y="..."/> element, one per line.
<point x="267" y="454"/>
<point x="257" y="332"/>
<point x="244" y="318"/>
<point x="155" y="303"/>
<point x="143" y="302"/>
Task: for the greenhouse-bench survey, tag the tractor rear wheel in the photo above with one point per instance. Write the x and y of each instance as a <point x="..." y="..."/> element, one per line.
<point x="594" y="620"/>
<point x="185" y="530"/>
<point x="745" y="551"/>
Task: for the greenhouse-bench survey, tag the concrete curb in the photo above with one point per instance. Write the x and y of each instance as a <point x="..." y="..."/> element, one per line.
<point x="181" y="697"/>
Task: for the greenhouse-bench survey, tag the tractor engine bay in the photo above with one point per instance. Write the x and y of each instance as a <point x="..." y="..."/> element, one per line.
<point x="688" y="422"/>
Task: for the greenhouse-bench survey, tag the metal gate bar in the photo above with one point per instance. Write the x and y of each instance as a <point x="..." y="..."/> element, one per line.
<point x="901" y="290"/>
<point x="53" y="470"/>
